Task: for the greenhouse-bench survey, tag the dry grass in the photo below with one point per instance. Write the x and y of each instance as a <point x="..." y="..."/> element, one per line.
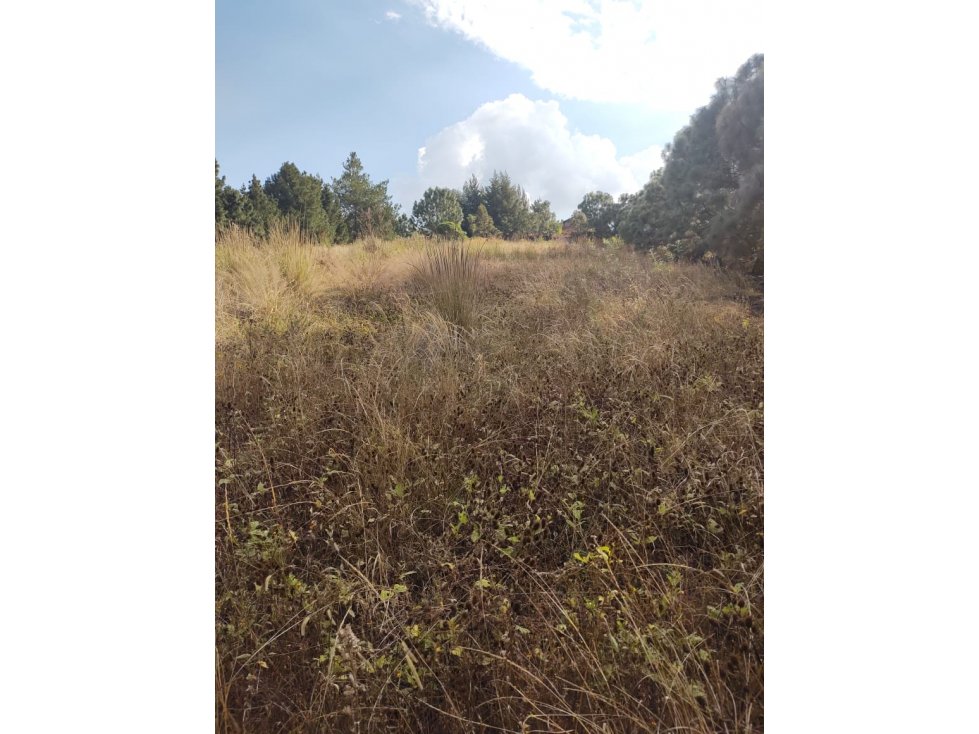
<point x="451" y="271"/>
<point x="549" y="520"/>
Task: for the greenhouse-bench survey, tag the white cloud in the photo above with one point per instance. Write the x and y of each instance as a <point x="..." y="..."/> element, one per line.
<point x="644" y="162"/>
<point x="663" y="53"/>
<point x="392" y="15"/>
<point x="533" y="142"/>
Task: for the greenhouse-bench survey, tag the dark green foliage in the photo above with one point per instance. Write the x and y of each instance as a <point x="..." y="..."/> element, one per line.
<point x="740" y="126"/>
<point x="233" y="204"/>
<point x="471" y="199"/>
<point x="508" y="206"/>
<point x="228" y="202"/>
<point x="258" y="213"/>
<point x="449" y="230"/>
<point x="709" y="196"/>
<point x="481" y="224"/>
<point x="353" y="207"/>
<point x="366" y="207"/>
<point x="298" y="196"/>
<point x="331" y="206"/>
<point x="404" y="226"/>
<point x="647" y="220"/>
<point x="741" y="138"/>
<point x="543" y="225"/>
<point x="437" y="205"/>
<point x="220" y="214"/>
<point x="601" y="211"/>
<point x="578" y="228"/>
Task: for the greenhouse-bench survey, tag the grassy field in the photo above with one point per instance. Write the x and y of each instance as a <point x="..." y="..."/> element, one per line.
<point x="505" y="487"/>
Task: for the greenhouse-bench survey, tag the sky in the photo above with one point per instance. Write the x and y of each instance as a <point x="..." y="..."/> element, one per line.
<point x="567" y="96"/>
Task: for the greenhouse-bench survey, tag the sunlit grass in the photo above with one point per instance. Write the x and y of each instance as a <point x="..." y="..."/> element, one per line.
<point x="518" y="491"/>
<point x="452" y="273"/>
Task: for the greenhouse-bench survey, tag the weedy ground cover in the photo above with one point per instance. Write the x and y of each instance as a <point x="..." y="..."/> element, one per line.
<point x="486" y="487"/>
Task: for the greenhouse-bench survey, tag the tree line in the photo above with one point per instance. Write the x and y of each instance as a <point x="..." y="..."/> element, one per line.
<point x="706" y="202"/>
<point x="501" y="208"/>
<point x="352" y="207"/>
<point x="708" y="199"/>
<point x="345" y="209"/>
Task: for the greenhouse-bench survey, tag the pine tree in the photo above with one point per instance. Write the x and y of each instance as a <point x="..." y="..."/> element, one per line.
<point x="331" y="206"/>
<point x="436" y="206"/>
<point x="601" y="211"/>
<point x="578" y="226"/>
<point x="228" y="202"/>
<point x="471" y="199"/>
<point x="481" y="224"/>
<point x="259" y="212"/>
<point x="507" y="205"/>
<point x="543" y="224"/>
<point x="298" y="196"/>
<point x="709" y="195"/>
<point x="404" y="226"/>
<point x="366" y="208"/>
<point x="220" y="213"/>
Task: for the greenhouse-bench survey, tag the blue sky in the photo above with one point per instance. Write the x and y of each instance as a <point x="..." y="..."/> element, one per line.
<point x="567" y="96"/>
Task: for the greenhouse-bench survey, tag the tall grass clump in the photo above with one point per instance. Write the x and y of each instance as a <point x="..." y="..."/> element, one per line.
<point x="451" y="271"/>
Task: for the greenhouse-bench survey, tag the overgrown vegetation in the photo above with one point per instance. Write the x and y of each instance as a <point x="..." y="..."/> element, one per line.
<point x="518" y="492"/>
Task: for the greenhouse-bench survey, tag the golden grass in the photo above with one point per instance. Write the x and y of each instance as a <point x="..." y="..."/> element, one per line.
<point x="549" y="519"/>
<point x="452" y="273"/>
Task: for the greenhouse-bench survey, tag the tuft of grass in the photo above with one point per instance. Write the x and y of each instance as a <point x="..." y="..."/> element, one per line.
<point x="451" y="271"/>
<point x="549" y="519"/>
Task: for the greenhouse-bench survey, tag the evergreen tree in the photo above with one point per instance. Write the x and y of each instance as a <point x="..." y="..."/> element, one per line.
<point x="601" y="211"/>
<point x="436" y="206"/>
<point x="649" y="220"/>
<point x="738" y="232"/>
<point x="228" y="202"/>
<point x="450" y="230"/>
<point x="366" y="208"/>
<point x="472" y="197"/>
<point x="233" y="204"/>
<point x="298" y="196"/>
<point x="259" y="212"/>
<point x="334" y="217"/>
<point x="481" y="224"/>
<point x="709" y="195"/>
<point x="507" y="205"/>
<point x="578" y="226"/>
<point x="542" y="223"/>
<point x="404" y="226"/>
<point x="220" y="213"/>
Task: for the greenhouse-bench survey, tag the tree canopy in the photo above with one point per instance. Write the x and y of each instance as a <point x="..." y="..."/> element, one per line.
<point x="259" y="211"/>
<point x="542" y="224"/>
<point x="507" y="204"/>
<point x="481" y="224"/>
<point x="436" y="206"/>
<point x="601" y="212"/>
<point x="709" y="195"/>
<point x="299" y="197"/>
<point x="471" y="199"/>
<point x="366" y="207"/>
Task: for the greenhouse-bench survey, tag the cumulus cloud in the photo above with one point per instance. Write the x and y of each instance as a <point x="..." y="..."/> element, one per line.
<point x="663" y="53"/>
<point x="533" y="142"/>
<point x="392" y="15"/>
